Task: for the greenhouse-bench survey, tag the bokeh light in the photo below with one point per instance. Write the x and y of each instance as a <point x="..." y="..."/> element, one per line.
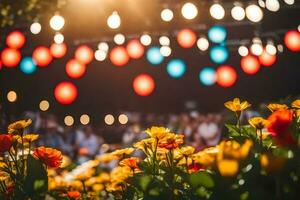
<point x="114" y="20"/>
<point x="165" y="51"/>
<point x="226" y="76"/>
<point x="243" y="51"/>
<point x="58" y="38"/>
<point x="15" y="40"/>
<point x="238" y="13"/>
<point x="109" y="119"/>
<point x="103" y="46"/>
<point x="75" y="69"/>
<point x="256" y="49"/>
<point x="208" y="76"/>
<point x="27" y="65"/>
<point x="119" y="56"/>
<point x="57" y="22"/>
<point x="12" y="96"/>
<point x="143" y="85"/>
<point x="10" y="57"/>
<point x="42" y="56"/>
<point x="146" y="40"/>
<point x="123" y="119"/>
<point x="217" y="11"/>
<point x="58" y="50"/>
<point x="189" y="11"/>
<point x="119" y="39"/>
<point x="217" y="34"/>
<point x="65" y="93"/>
<point x="84" y="54"/>
<point x="292" y="40"/>
<point x="250" y="64"/>
<point x="267" y="59"/>
<point x="164" y="40"/>
<point x="254" y="13"/>
<point x="202" y="44"/>
<point x="219" y="54"/>
<point x="176" y="68"/>
<point x="135" y="49"/>
<point x="272" y="5"/>
<point x="186" y="38"/>
<point x="166" y="15"/>
<point x="100" y="55"/>
<point x="44" y="105"/>
<point x="154" y="56"/>
<point x="35" y="28"/>
<point x="84" y="119"/>
<point x="68" y="120"/>
<point x="271" y="49"/>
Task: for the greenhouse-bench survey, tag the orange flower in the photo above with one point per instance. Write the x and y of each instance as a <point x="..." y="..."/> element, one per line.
<point x="51" y="157"/>
<point x="131" y="162"/>
<point x="6" y="142"/>
<point x="73" y="194"/>
<point x="171" y="141"/>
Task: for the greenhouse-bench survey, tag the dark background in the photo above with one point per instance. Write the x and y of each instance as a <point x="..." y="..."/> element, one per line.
<point x="108" y="89"/>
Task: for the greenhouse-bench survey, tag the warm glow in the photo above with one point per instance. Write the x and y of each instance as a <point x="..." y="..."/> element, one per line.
<point x="143" y="85"/>
<point x="119" y="39"/>
<point x="243" y="51"/>
<point x="15" y="40"/>
<point x="12" y="96"/>
<point x="123" y="119"/>
<point x="202" y="44"/>
<point x="189" y="11"/>
<point x="250" y="64"/>
<point x="114" y="20"/>
<point x="44" y="105"/>
<point x="238" y="13"/>
<point x="84" y="54"/>
<point x="58" y="50"/>
<point x="109" y="119"/>
<point x="42" y="56"/>
<point x="65" y="93"/>
<point x="135" y="49"/>
<point x="75" y="69"/>
<point x="164" y="41"/>
<point x="146" y="40"/>
<point x="166" y="15"/>
<point x="69" y="120"/>
<point x="10" y="57"/>
<point x="226" y="76"/>
<point x="100" y="55"/>
<point x="217" y="11"/>
<point x="58" y="38"/>
<point x="84" y="119"/>
<point x="119" y="56"/>
<point x="165" y="51"/>
<point x="254" y="13"/>
<point x="35" y="28"/>
<point x="57" y="22"/>
<point x="186" y="38"/>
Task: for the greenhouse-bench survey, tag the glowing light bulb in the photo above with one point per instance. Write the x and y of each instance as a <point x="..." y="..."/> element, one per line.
<point x="114" y="20"/>
<point x="166" y="15"/>
<point x="217" y="11"/>
<point x="254" y="13"/>
<point x="164" y="41"/>
<point x="84" y="119"/>
<point x="123" y="119"/>
<point x="103" y="46"/>
<point x="289" y="2"/>
<point x="57" y="22"/>
<point x="35" y="28"/>
<point x="100" y="55"/>
<point x="145" y="40"/>
<point x="109" y="119"/>
<point x="243" y="51"/>
<point x="59" y="38"/>
<point x="189" y="11"/>
<point x="44" y="105"/>
<point x="256" y="49"/>
<point x="165" y="51"/>
<point x="271" y="49"/>
<point x="272" y="5"/>
<point x="69" y="120"/>
<point x="12" y="96"/>
<point x="119" y="39"/>
<point x="238" y="13"/>
<point x="202" y="43"/>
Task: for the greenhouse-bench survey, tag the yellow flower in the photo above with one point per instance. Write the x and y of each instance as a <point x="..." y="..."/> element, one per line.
<point x="98" y="187"/>
<point x="296" y="104"/>
<point x="132" y="163"/>
<point x="145" y="144"/>
<point x="187" y="151"/>
<point x="3" y="176"/>
<point x="113" y="187"/>
<point x="258" y="122"/>
<point x="122" y="152"/>
<point x="298" y="113"/>
<point x="236" y="105"/>
<point x="86" y="175"/>
<point x="157" y="132"/>
<point x="228" y="167"/>
<point x="66" y="161"/>
<point x="276" y="106"/>
<point x="271" y="163"/>
<point x="232" y="149"/>
<point x="18" y="126"/>
<point x="28" y="138"/>
<point x="120" y="174"/>
<point x="103" y="177"/>
<point x="106" y="158"/>
<point x="206" y="157"/>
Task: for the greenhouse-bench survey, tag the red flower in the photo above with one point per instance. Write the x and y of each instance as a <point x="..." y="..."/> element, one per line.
<point x="73" y="194"/>
<point x="195" y="167"/>
<point x="6" y="142"/>
<point x="51" y="157"/>
<point x="279" y="126"/>
<point x="171" y="142"/>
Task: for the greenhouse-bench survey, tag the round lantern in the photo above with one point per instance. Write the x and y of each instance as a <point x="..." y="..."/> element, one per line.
<point x="226" y="76"/>
<point x="65" y="93"/>
<point x="58" y="50"/>
<point x="84" y="54"/>
<point x="143" y="85"/>
<point x="266" y="59"/>
<point x="75" y="69"/>
<point x="292" y="40"/>
<point x="135" y="49"/>
<point x="10" y="57"/>
<point x="42" y="56"/>
<point x="250" y="64"/>
<point x="15" y="40"/>
<point x="118" y="56"/>
<point x="27" y="65"/>
<point x="186" y="38"/>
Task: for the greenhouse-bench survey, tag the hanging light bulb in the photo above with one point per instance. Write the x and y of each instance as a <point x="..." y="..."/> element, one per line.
<point x="145" y="40"/>
<point x="238" y="13"/>
<point x="57" y="22"/>
<point x="261" y="3"/>
<point x="272" y="5"/>
<point x="114" y="20"/>
<point x="165" y="51"/>
<point x="164" y="41"/>
<point x="254" y="13"/>
<point x="103" y="46"/>
<point x="189" y="11"/>
<point x="271" y="49"/>
<point x="100" y="55"/>
<point x="202" y="43"/>
<point x="35" y="28"/>
<point x="166" y="15"/>
<point x="243" y="51"/>
<point x="256" y="48"/>
<point x="217" y="11"/>
<point x="59" y="38"/>
<point x="119" y="39"/>
<point x="289" y="2"/>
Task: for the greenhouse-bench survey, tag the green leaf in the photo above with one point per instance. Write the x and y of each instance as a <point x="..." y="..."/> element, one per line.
<point x="144" y="182"/>
<point x="201" y="179"/>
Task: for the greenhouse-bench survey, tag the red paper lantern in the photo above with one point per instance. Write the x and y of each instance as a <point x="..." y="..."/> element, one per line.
<point x="135" y="49"/>
<point x="84" y="54"/>
<point x="143" y="85"/>
<point x="186" y="38"/>
<point x="10" y="57"/>
<point x="15" y="40"/>
<point x="75" y="69"/>
<point x="65" y="93"/>
<point x="267" y="59"/>
<point x="250" y="64"/>
<point x="292" y="40"/>
<point x="226" y="76"/>
<point x="58" y="50"/>
<point x="42" y="56"/>
<point x="118" y="56"/>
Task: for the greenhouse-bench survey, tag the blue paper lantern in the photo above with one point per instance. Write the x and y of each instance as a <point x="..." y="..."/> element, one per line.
<point x="219" y="54"/>
<point x="217" y="34"/>
<point x="176" y="68"/>
<point x="28" y="66"/>
<point x="154" y="56"/>
<point x="207" y="76"/>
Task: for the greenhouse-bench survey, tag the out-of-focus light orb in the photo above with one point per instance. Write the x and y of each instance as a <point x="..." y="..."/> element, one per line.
<point x="226" y="76"/>
<point x="238" y="13"/>
<point x="135" y="49"/>
<point x="143" y="85"/>
<point x="146" y="40"/>
<point x="103" y="46"/>
<point x="217" y="11"/>
<point x="42" y="56"/>
<point x="219" y="54"/>
<point x="289" y="2"/>
<point x="27" y="65"/>
<point x="280" y="48"/>
<point x="65" y="93"/>
<point x="272" y="5"/>
<point x="119" y="39"/>
<point x="292" y="40"/>
<point x="166" y="15"/>
<point x="154" y="55"/>
<point x="84" y="54"/>
<point x="256" y="49"/>
<point x="207" y="76"/>
<point x="58" y="38"/>
<point x="10" y="57"/>
<point x="202" y="44"/>
<point x="165" y="51"/>
<point x="109" y="119"/>
<point x="250" y="64"/>
<point x="186" y="38"/>
<point x="57" y="22"/>
<point x="75" y="69"/>
<point x="68" y="120"/>
<point x="58" y="50"/>
<point x="271" y="49"/>
<point x="119" y="56"/>
<point x="100" y="55"/>
<point x="35" y="28"/>
<point x="243" y="51"/>
<point x="176" y="68"/>
<point x="217" y="34"/>
<point x="12" y="96"/>
<point x="84" y="119"/>
<point x="44" y="105"/>
<point x="15" y="40"/>
<point x="189" y="11"/>
<point x="123" y="119"/>
<point x="254" y="13"/>
<point x="164" y="41"/>
<point x="114" y="20"/>
<point x="262" y="3"/>
<point x="267" y="59"/>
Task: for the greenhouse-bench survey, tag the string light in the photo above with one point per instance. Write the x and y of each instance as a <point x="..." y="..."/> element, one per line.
<point x="256" y="48"/>
<point x="271" y="49"/>
<point x="202" y="44"/>
<point x="84" y="119"/>
<point x="114" y="20"/>
<point x="261" y="3"/>
<point x="207" y="76"/>
<point x="243" y="51"/>
<point x="100" y="55"/>
<point x="103" y="46"/>
<point x="44" y="105"/>
<point x="189" y="11"/>
<point x="176" y="68"/>
<point x="59" y="38"/>
<point x="28" y="65"/>
<point x="35" y="28"/>
<point x="165" y="51"/>
<point x="166" y="15"/>
<point x="123" y="119"/>
<point x="69" y="120"/>
<point x="57" y="22"/>
<point x="12" y="96"/>
<point x="146" y="40"/>
<point x="254" y="13"/>
<point x="164" y="41"/>
<point x="289" y="2"/>
<point x="238" y="13"/>
<point x="109" y="119"/>
<point x="272" y="5"/>
<point x="217" y="11"/>
<point x="119" y="39"/>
